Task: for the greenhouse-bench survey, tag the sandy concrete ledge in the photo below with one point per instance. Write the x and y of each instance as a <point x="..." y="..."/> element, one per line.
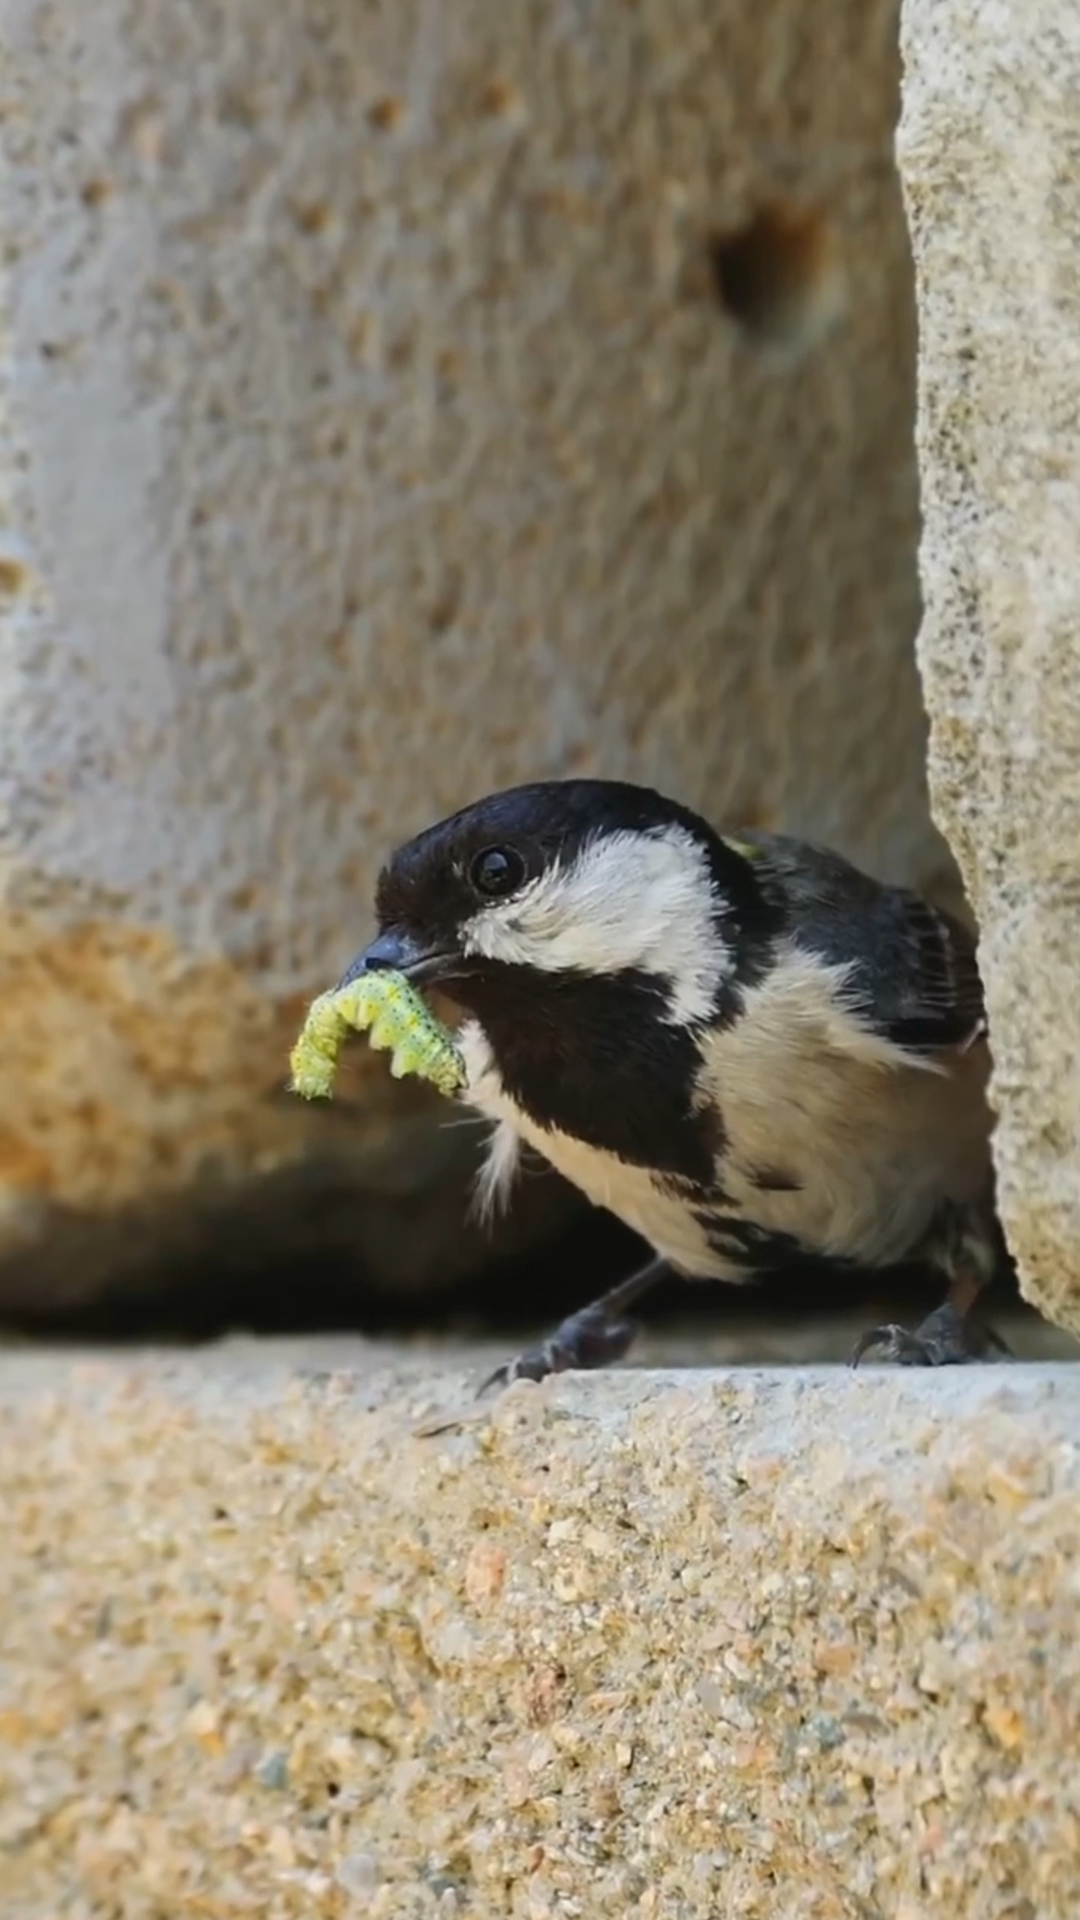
<point x="744" y="1643"/>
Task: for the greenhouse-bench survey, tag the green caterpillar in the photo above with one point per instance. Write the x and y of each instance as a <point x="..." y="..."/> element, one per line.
<point x="393" y="1015"/>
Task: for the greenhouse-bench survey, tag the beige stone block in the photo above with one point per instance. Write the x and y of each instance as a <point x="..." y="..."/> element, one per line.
<point x="782" y="1646"/>
<point x="403" y="400"/>
<point x="990" y="153"/>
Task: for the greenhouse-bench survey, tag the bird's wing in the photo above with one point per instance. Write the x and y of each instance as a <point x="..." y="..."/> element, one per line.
<point x="913" y="968"/>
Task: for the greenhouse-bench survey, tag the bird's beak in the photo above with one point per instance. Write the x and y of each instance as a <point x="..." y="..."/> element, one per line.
<point x="397" y="951"/>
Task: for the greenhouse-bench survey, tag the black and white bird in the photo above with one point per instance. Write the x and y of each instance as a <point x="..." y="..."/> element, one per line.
<point x="745" y="1048"/>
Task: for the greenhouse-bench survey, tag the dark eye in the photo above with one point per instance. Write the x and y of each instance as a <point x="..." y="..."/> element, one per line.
<point x="497" y="871"/>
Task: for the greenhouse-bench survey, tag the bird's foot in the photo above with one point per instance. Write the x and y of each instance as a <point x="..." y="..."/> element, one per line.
<point x="590" y="1338"/>
<point x="946" y="1338"/>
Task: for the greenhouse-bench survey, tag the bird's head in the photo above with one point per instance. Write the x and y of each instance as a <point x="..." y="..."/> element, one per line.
<point x="558" y="882"/>
<point x="594" y="931"/>
<point x="563" y="883"/>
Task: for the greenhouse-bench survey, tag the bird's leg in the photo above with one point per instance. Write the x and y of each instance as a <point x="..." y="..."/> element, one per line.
<point x="592" y="1337"/>
<point x="968" y="1246"/>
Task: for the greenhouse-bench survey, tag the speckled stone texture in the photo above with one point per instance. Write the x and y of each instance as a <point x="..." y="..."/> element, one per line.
<point x="384" y="426"/>
<point x="990" y="154"/>
<point x="780" y="1646"/>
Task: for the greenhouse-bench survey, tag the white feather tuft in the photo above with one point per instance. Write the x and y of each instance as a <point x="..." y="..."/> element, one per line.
<point x="492" y="1188"/>
<point x="483" y="1089"/>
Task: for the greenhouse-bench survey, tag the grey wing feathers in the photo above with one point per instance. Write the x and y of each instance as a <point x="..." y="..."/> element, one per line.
<point x="935" y="997"/>
<point x="914" y="968"/>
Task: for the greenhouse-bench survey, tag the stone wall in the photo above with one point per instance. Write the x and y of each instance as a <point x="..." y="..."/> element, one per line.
<point x="990" y="153"/>
<point x="402" y="400"/>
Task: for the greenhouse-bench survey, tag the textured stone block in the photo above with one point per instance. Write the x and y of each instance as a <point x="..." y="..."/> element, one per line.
<point x="787" y="1646"/>
<point x="990" y="153"/>
<point x="403" y="400"/>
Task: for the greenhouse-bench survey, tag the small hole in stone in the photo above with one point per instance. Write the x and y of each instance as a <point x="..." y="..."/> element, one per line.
<point x="384" y="115"/>
<point x="779" y="276"/>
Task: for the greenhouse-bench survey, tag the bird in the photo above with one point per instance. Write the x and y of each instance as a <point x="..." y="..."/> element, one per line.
<point x="751" y="1052"/>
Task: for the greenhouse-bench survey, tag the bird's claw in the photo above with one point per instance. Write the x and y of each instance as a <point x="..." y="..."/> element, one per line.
<point x="582" y="1341"/>
<point x="945" y="1339"/>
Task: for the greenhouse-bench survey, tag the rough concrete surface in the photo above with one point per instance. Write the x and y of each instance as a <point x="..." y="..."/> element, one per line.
<point x="990" y="154"/>
<point x="401" y="400"/>
<point x="767" y="1645"/>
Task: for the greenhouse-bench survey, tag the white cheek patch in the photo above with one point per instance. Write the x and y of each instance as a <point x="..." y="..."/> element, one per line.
<point x="640" y="900"/>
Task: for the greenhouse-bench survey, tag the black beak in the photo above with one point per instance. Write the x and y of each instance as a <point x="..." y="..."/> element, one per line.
<point x="397" y="951"/>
